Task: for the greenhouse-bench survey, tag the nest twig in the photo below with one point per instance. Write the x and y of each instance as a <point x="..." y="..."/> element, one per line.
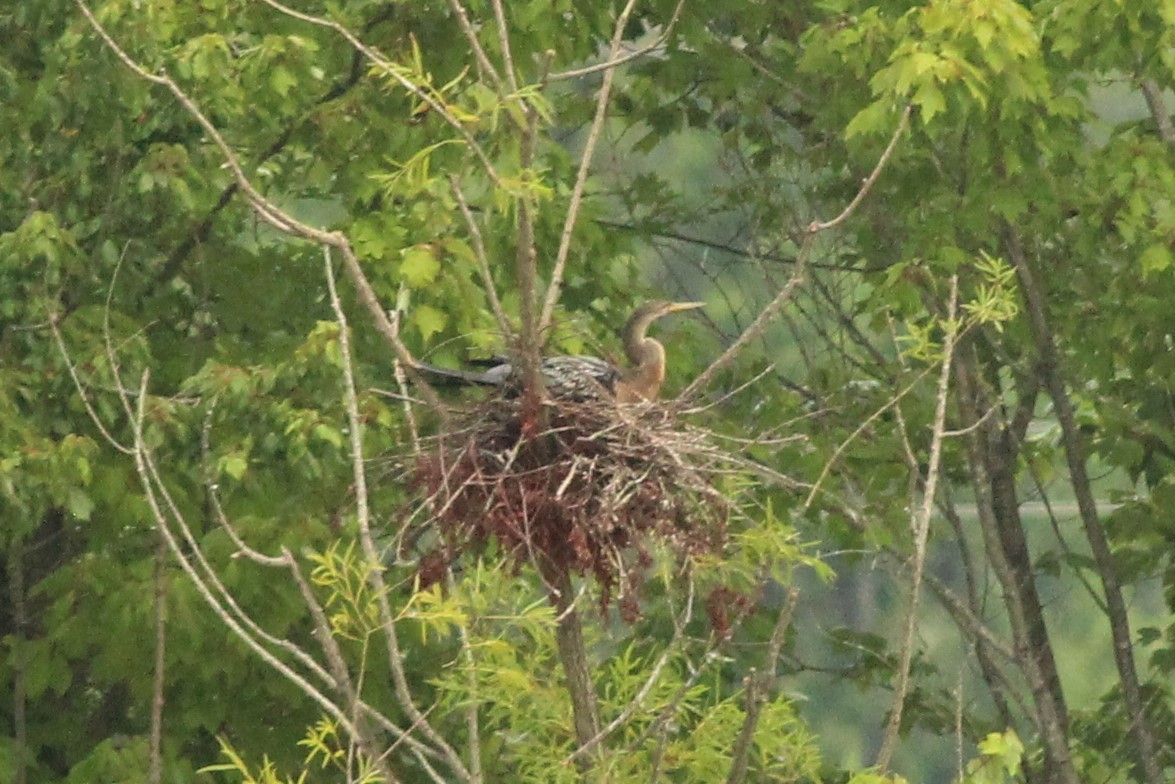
<point x="586" y="495"/>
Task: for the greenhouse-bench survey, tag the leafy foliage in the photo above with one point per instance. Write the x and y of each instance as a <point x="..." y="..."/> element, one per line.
<point x="173" y="361"/>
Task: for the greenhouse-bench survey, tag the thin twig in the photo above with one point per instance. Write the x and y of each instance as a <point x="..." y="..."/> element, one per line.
<point x="472" y="721"/>
<point x="759" y="325"/>
<point x="158" y="679"/>
<point x="406" y="400"/>
<point x="479" y="53"/>
<point x="83" y="391"/>
<point x="213" y="496"/>
<point x="367" y="541"/>
<point x="504" y="44"/>
<point x="1066" y="550"/>
<point x="867" y="184"/>
<point x="585" y="162"/>
<point x="483" y="259"/>
<point x="636" y="54"/>
<point x="351" y="693"/>
<point x="752" y="381"/>
<point x="921" y="526"/>
<point x="861" y="429"/>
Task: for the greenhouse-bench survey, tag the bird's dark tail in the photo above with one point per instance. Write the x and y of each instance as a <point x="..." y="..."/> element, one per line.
<point x="439" y="376"/>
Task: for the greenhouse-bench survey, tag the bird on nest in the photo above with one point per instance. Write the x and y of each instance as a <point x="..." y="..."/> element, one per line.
<point x="580" y="377"/>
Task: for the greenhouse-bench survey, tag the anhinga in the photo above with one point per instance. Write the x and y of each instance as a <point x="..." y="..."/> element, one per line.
<point x="581" y="378"/>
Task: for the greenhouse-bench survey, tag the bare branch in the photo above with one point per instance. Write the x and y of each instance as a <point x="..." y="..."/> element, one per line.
<point x="1052" y="373"/>
<point x="585" y="709"/>
<point x="213" y="496"/>
<point x="526" y="273"/>
<point x="757" y="327"/>
<point x="635" y="54"/>
<point x="483" y="260"/>
<point x="82" y="390"/>
<point x="472" y="721"/>
<point x="589" y="148"/>
<point x="154" y="493"/>
<point x="155" y="753"/>
<point x="921" y="528"/>
<point x="758" y="685"/>
<point x="867" y="184"/>
<point x="402" y="384"/>
<point x="504" y="43"/>
<point x="642" y="694"/>
<point x="338" y="667"/>
<point x="741" y="753"/>
<point x="1158" y="108"/>
<point x="775" y="307"/>
<point x="367" y="541"/>
<point x="479" y="52"/>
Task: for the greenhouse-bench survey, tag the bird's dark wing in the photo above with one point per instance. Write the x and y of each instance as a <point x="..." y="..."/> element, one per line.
<point x="579" y="377"/>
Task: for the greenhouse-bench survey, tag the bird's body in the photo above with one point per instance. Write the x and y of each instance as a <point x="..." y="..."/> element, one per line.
<point x="565" y="377"/>
<point x="582" y="378"/>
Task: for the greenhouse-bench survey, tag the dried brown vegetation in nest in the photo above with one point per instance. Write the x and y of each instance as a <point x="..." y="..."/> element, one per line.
<point x="587" y="494"/>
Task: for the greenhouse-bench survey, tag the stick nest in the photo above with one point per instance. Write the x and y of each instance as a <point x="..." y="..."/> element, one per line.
<point x="585" y="493"/>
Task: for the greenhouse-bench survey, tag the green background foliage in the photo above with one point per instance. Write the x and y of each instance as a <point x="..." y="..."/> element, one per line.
<point x="1036" y="171"/>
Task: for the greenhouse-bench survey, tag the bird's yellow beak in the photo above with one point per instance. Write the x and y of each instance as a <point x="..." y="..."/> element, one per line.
<point x="676" y="306"/>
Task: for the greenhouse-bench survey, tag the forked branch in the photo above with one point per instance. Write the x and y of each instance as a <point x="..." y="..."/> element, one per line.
<point x="776" y="306"/>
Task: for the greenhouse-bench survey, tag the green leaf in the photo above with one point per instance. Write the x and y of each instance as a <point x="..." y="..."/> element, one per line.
<point x="929" y="100"/>
<point x="871" y="119"/>
<point x="428" y="320"/>
<point x="419" y="266"/>
<point x="1156" y="258"/>
<point x="80" y="504"/>
<point x="234" y="465"/>
<point x="1004" y="746"/>
<point x="282" y="81"/>
<point x="331" y="435"/>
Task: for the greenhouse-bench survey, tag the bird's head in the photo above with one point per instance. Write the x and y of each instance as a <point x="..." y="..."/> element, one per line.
<point x="638" y="324"/>
<point x="655" y="309"/>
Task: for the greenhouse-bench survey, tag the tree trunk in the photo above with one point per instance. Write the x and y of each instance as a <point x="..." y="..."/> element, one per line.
<point x="16" y="595"/>
<point x="991" y="456"/>
<point x="1053" y="378"/>
<point x="573" y="655"/>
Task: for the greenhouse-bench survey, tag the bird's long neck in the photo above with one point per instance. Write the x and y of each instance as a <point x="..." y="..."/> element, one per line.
<point x="646" y="357"/>
<point x="636" y="343"/>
